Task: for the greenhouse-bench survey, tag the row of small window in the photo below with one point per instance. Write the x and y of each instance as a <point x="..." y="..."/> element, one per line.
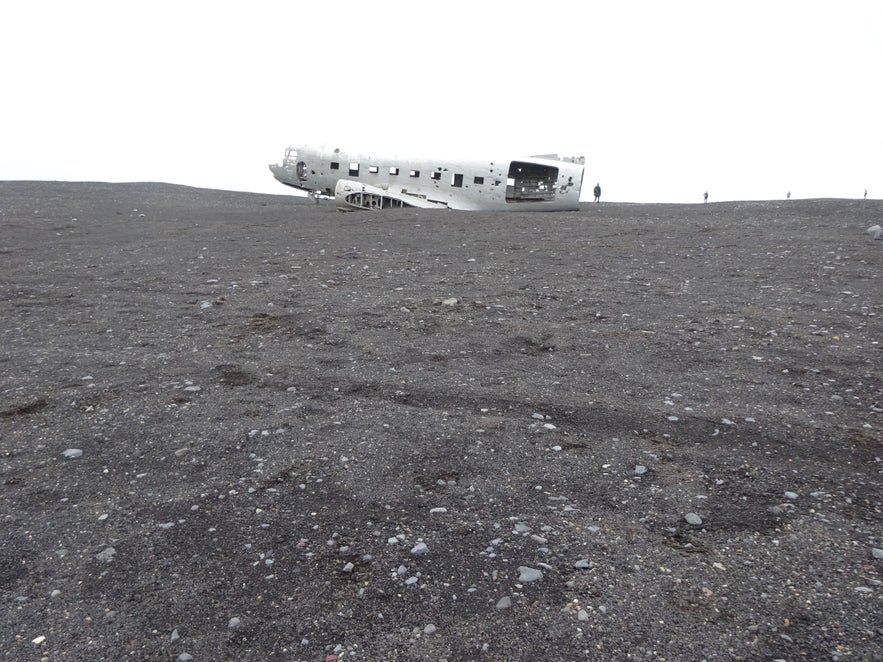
<point x="456" y="178"/>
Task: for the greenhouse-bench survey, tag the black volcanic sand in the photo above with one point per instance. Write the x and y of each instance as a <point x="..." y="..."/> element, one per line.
<point x="229" y="420"/>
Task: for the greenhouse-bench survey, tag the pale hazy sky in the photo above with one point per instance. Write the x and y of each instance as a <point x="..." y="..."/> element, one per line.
<point x="746" y="99"/>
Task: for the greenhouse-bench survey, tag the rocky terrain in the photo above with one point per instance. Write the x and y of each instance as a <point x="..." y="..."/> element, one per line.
<point x="244" y="427"/>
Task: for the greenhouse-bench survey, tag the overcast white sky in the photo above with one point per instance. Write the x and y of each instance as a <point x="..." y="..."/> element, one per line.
<point x="746" y="99"/>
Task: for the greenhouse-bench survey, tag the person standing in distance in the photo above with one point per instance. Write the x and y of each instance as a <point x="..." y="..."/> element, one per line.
<point x="597" y="192"/>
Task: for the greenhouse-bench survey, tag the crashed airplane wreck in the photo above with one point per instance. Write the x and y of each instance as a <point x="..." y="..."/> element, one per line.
<point x="375" y="182"/>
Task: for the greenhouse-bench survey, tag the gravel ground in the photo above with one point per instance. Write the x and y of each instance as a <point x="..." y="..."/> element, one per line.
<point x="243" y="427"/>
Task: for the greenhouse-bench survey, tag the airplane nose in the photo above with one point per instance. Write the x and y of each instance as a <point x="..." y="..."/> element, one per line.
<point x="286" y="173"/>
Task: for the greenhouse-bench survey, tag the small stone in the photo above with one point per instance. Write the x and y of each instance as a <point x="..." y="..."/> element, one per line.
<point x="583" y="564"/>
<point x="693" y="519"/>
<point x="877" y="553"/>
<point x="790" y="495"/>
<point x="106" y="554"/>
<point x="72" y="453"/>
<point x="437" y="511"/>
<point x="640" y="469"/>
<point x="234" y="623"/>
<point x="185" y="657"/>
<point x="527" y="575"/>
<point x="429" y="629"/>
<point x="174" y="636"/>
<point x="504" y="603"/>
<point x="420" y="549"/>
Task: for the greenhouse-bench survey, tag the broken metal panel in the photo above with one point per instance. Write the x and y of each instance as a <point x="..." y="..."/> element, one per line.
<point x="350" y="195"/>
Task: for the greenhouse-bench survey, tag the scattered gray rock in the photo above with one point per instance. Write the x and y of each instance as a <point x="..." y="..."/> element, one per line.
<point x="527" y="574"/>
<point x="106" y="554"/>
<point x="693" y="519"/>
<point x="504" y="603"/>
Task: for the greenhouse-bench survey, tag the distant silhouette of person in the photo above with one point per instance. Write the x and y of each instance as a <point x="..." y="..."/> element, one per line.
<point x="597" y="192"/>
<point x="866" y="194"/>
<point x="789" y="195"/>
<point x="705" y="197"/>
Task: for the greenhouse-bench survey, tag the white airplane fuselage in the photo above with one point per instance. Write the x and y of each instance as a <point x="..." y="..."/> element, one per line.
<point x="374" y="181"/>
